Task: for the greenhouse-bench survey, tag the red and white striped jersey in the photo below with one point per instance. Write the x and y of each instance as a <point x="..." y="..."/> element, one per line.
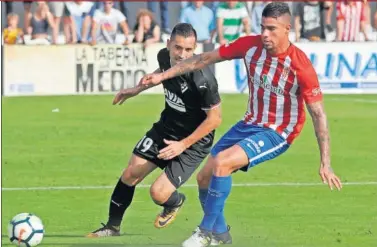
<point x="278" y="85"/>
<point x="352" y="13"/>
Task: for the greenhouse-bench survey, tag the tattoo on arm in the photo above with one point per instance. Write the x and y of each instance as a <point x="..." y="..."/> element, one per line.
<point x="193" y="63"/>
<point x="196" y="62"/>
<point x="320" y="123"/>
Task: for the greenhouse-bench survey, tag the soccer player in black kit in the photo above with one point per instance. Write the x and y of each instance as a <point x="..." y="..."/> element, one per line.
<point x="177" y="143"/>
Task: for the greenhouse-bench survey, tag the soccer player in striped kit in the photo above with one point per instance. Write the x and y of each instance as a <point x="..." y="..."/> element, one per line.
<point x="281" y="81"/>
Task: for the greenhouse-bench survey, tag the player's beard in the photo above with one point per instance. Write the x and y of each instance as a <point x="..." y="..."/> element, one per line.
<point x="268" y="47"/>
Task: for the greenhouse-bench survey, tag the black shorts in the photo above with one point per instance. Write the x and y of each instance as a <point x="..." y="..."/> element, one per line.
<point x="178" y="169"/>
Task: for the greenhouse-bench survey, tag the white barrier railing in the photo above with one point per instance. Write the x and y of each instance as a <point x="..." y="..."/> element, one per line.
<point x="81" y="69"/>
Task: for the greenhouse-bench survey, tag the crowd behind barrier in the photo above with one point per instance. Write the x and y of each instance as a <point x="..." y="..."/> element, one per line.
<point x="109" y="22"/>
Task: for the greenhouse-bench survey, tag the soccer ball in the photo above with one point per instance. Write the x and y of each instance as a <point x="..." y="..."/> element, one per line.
<point x="25" y="230"/>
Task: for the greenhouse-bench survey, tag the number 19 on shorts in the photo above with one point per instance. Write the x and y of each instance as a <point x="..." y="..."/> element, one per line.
<point x="144" y="144"/>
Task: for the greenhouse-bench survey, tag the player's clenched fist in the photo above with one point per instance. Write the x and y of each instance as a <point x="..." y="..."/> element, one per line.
<point x="151" y="79"/>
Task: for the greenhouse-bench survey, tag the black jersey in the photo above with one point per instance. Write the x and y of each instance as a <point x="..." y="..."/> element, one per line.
<point x="186" y="99"/>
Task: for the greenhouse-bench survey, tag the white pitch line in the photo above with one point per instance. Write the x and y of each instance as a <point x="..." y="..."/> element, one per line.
<point x="354" y="100"/>
<point x="187" y="185"/>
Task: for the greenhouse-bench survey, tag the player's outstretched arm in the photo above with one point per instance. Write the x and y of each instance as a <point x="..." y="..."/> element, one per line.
<point x="196" y="62"/>
<point x="175" y="148"/>
<point x="127" y="93"/>
<point x="317" y="112"/>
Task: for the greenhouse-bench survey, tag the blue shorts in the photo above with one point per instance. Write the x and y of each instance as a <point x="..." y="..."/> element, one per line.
<point x="259" y="143"/>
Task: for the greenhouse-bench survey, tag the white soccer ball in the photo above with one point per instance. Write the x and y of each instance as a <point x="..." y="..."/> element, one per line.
<point x="25" y="230"/>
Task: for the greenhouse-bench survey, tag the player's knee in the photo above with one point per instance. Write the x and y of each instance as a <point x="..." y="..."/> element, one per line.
<point x="203" y="179"/>
<point x="221" y="166"/>
<point x="157" y="194"/>
<point x="131" y="177"/>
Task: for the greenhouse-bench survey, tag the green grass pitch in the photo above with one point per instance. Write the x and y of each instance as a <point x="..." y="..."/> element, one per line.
<point x="89" y="141"/>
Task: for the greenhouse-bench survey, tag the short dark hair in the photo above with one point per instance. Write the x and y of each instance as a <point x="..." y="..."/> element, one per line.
<point x="276" y="9"/>
<point x="183" y="29"/>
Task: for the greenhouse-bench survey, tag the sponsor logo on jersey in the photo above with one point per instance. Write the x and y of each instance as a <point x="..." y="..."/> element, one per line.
<point x="266" y="84"/>
<point x="184" y="86"/>
<point x="174" y="101"/>
<point x="285" y="73"/>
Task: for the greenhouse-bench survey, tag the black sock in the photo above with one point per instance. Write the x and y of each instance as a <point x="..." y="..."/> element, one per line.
<point x="120" y="201"/>
<point x="173" y="200"/>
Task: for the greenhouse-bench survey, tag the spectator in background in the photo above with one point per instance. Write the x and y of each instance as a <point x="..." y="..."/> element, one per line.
<point x="27" y="11"/>
<point x="88" y="20"/>
<point x="106" y="23"/>
<point x="99" y="5"/>
<point x="351" y="17"/>
<point x="212" y="5"/>
<point x="375" y="20"/>
<point x="309" y="23"/>
<point x="77" y="13"/>
<point x="367" y="13"/>
<point x="201" y="18"/>
<point x="12" y="34"/>
<point x="57" y="10"/>
<point x="69" y="28"/>
<point x="256" y="16"/>
<point x="146" y="30"/>
<point x="164" y="11"/>
<point x="368" y="20"/>
<point x="329" y="9"/>
<point x="38" y="24"/>
<point x="231" y="17"/>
